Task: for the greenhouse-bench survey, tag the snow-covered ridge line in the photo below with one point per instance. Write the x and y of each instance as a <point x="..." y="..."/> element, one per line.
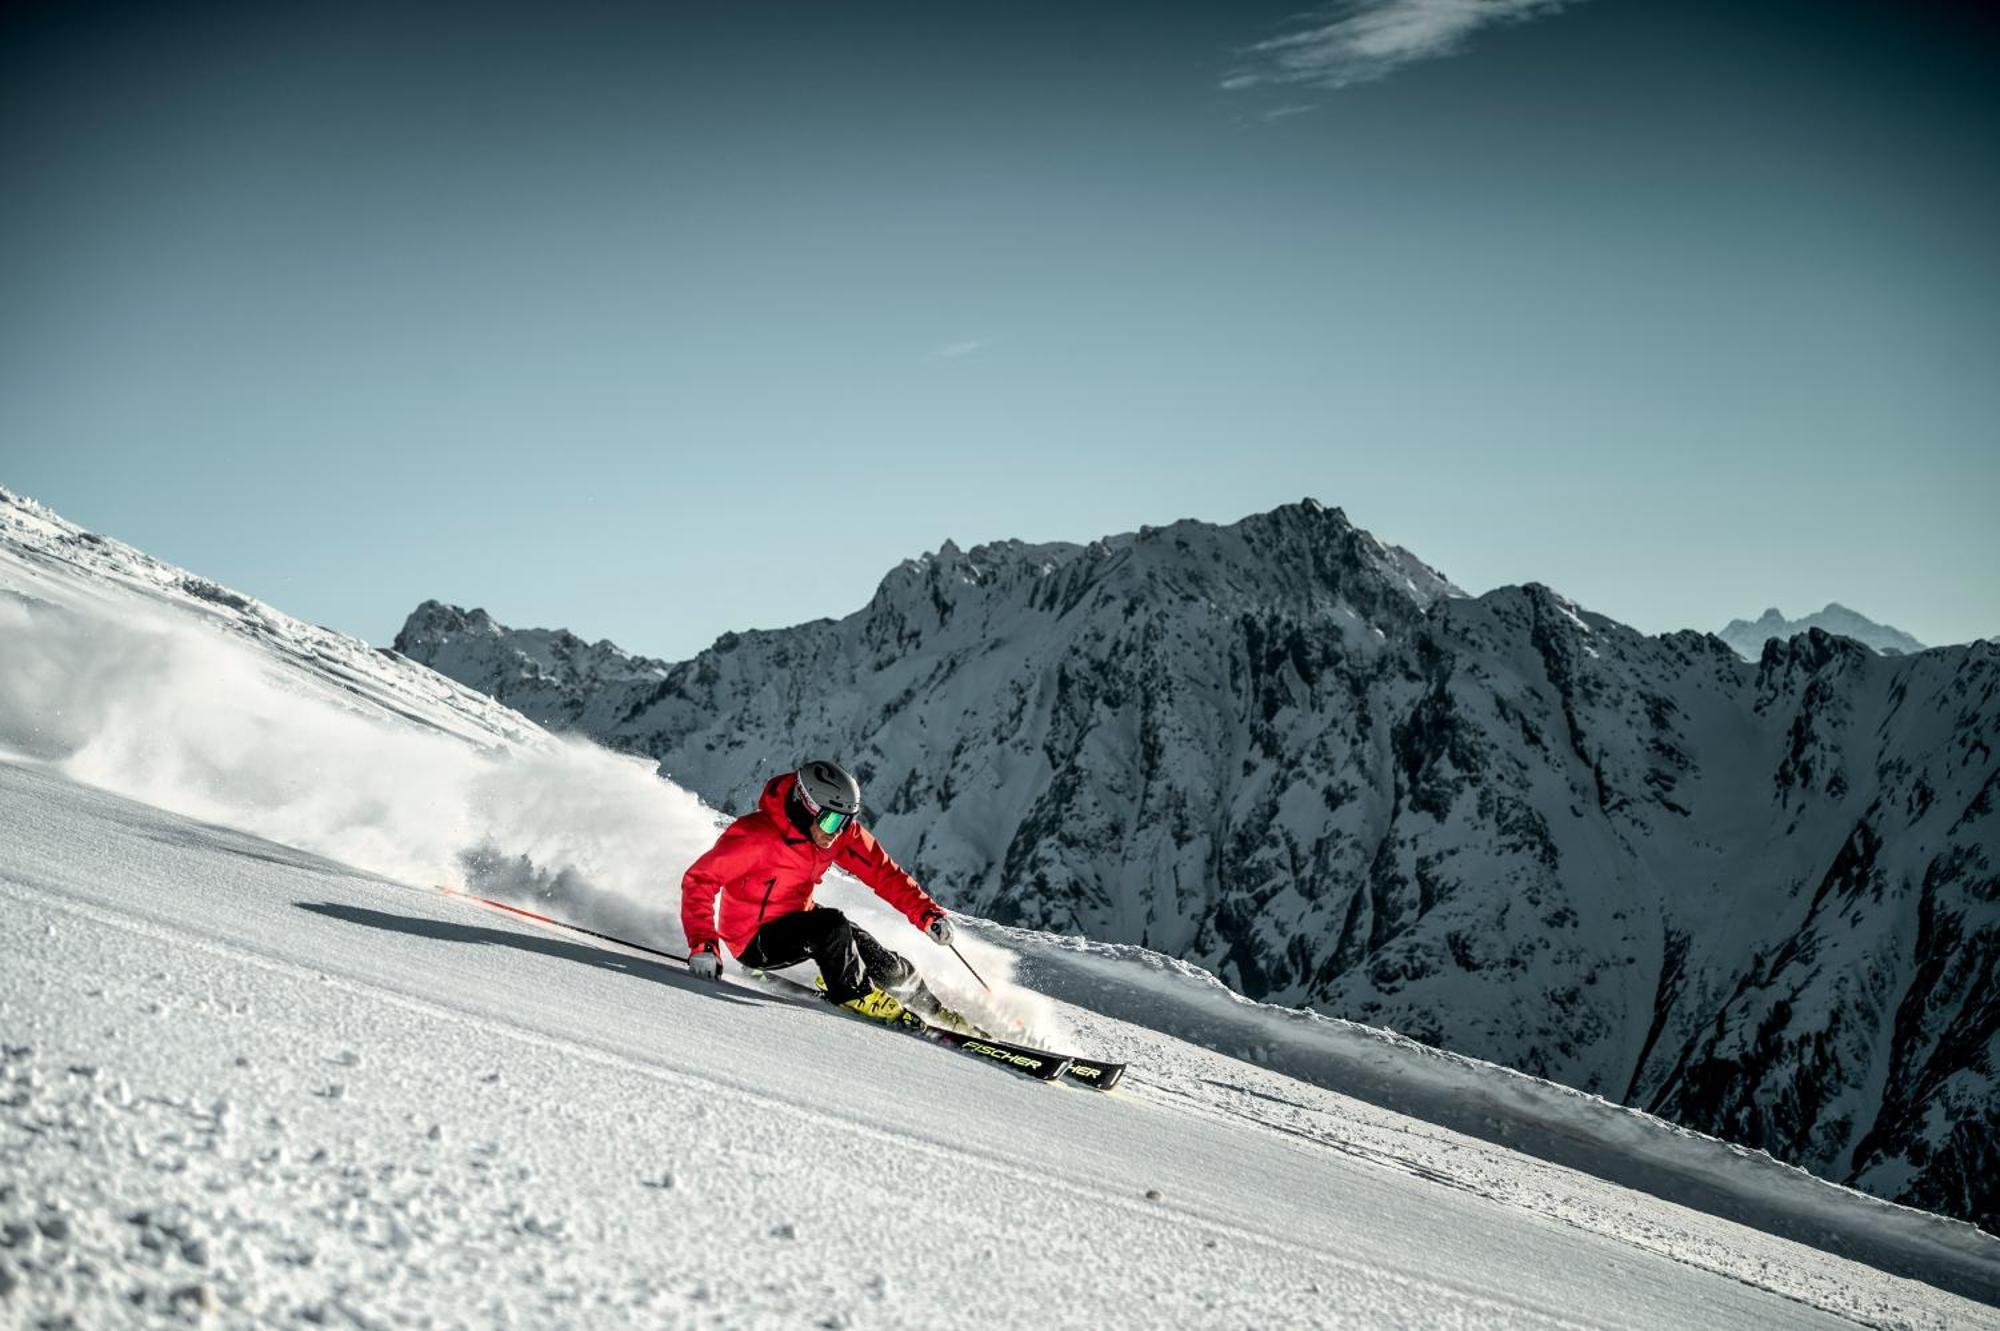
<point x="34" y="533"/>
<point x="130" y="674"/>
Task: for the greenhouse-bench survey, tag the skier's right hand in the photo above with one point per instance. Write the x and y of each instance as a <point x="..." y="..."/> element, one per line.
<point x="705" y="961"/>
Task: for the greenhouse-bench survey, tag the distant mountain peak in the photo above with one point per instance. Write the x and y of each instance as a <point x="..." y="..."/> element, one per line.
<point x="1748" y="637"/>
<point x="550" y="672"/>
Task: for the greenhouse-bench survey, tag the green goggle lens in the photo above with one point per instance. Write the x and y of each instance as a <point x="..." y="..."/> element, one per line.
<point x="832" y="820"/>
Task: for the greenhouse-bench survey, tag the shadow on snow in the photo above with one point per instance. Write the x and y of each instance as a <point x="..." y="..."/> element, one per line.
<point x="452" y="932"/>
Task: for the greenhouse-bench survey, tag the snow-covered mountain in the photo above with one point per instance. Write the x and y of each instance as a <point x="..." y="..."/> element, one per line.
<point x="1749" y="636"/>
<point x="1758" y="898"/>
<point x="552" y="675"/>
<point x="256" y="1071"/>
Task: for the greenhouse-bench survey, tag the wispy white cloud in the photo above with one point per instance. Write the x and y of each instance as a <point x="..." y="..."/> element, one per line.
<point x="953" y="350"/>
<point x="1358" y="40"/>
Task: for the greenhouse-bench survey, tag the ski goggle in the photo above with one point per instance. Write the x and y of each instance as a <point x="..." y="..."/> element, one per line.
<point x="830" y="821"/>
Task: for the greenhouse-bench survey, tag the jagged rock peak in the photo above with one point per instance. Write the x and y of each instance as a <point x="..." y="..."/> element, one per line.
<point x="981" y="566"/>
<point x="1304" y="538"/>
<point x="1542" y="605"/>
<point x="550" y="672"/>
<point x="1813" y="650"/>
<point x="435" y="618"/>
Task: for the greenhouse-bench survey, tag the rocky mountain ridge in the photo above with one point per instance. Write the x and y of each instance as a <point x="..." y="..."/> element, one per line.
<point x="1759" y="898"/>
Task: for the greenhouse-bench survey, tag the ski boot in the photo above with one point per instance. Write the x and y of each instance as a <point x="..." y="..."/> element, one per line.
<point x="879" y="1005"/>
<point x="916" y="997"/>
<point x="876" y="1005"/>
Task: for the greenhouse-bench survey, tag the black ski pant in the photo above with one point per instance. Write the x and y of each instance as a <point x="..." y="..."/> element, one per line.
<point x="849" y="958"/>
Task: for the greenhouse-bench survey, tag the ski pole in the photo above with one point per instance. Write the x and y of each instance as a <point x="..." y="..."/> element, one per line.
<point x="968" y="965"/>
<point x="563" y="924"/>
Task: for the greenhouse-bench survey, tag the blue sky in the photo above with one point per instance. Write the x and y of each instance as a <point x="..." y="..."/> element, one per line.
<point x="660" y="321"/>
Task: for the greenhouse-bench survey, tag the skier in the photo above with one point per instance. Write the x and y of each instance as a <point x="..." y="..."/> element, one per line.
<point x="766" y="865"/>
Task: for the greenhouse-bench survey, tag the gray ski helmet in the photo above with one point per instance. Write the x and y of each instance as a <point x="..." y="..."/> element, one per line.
<point x="827" y="785"/>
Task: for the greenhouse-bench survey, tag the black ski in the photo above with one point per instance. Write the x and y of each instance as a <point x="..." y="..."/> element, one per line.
<point x="1037" y="1063"/>
<point x="1094" y="1073"/>
<point x="1040" y="1064"/>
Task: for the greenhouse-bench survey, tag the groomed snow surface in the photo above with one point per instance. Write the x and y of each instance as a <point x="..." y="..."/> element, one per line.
<point x="254" y="1071"/>
<point x="245" y="1082"/>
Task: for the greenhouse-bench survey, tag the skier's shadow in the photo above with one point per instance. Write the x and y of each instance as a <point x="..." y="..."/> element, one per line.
<point x="603" y="958"/>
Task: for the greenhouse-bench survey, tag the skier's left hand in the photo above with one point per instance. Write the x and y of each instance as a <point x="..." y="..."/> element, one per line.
<point x="938" y="927"/>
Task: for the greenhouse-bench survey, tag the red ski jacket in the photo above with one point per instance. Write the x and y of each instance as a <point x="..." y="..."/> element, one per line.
<point x="764" y="867"/>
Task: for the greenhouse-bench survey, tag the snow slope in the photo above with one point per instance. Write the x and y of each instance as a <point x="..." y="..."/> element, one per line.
<point x="250" y="1064"/>
<point x="242" y="1078"/>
